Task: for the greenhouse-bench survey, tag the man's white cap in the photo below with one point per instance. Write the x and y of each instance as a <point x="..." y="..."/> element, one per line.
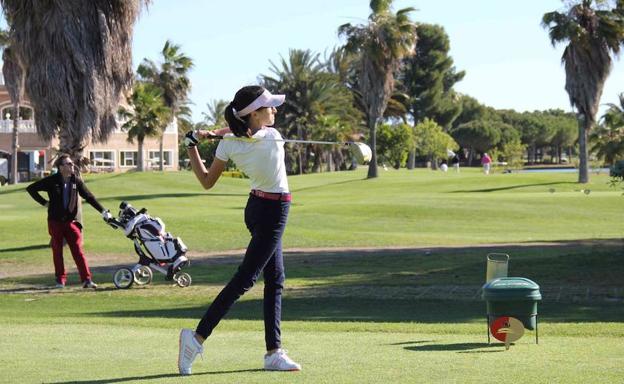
<point x="265" y="100"/>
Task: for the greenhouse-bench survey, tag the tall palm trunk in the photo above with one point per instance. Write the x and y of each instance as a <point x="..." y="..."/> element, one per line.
<point x="14" y="78"/>
<point x="585" y="126"/>
<point x="140" y="160"/>
<point x="15" y="143"/>
<point x="372" y="128"/>
<point x="161" y="152"/>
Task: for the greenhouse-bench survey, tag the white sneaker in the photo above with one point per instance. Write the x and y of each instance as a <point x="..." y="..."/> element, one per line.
<point x="279" y="361"/>
<point x="189" y="349"/>
<point x="59" y="286"/>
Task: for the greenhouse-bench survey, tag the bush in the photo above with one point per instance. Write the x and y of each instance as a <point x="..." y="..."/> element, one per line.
<point x="617" y="171"/>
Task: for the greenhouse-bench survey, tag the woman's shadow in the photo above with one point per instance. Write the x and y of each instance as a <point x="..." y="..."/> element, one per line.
<point x="150" y="377"/>
<point x="420" y="346"/>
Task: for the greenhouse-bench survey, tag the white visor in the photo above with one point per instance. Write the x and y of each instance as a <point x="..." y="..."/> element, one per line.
<point x="265" y="100"/>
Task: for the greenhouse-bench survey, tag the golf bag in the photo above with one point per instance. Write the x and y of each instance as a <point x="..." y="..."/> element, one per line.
<point x="156" y="248"/>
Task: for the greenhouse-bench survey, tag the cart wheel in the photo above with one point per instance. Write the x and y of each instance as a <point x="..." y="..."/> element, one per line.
<point x="183" y="279"/>
<point x="143" y="275"/>
<point x="123" y="278"/>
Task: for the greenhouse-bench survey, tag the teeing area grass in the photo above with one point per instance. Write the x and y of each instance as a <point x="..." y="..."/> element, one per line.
<point x="383" y="283"/>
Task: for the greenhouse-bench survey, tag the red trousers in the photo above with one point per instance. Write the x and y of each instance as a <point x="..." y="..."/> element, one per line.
<point x="72" y="234"/>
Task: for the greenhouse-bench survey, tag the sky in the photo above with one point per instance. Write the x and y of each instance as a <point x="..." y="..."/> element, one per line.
<point x="507" y="55"/>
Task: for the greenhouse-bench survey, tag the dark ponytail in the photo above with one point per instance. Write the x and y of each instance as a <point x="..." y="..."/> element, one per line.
<point x="245" y="96"/>
<point x="240" y="128"/>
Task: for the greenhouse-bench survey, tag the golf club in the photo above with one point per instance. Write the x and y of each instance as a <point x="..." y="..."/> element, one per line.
<point x="360" y="151"/>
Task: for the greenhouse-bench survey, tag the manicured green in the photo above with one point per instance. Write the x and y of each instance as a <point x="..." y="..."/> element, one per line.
<point x="400" y="208"/>
<point x="406" y="315"/>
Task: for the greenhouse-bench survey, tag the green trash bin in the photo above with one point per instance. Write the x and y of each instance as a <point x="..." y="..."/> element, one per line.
<point x="514" y="297"/>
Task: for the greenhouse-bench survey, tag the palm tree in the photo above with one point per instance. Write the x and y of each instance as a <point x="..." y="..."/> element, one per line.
<point x="172" y="78"/>
<point x="311" y="93"/>
<point x="593" y="33"/>
<point x="608" y="138"/>
<point x="215" y="115"/>
<point x="77" y="100"/>
<point x="14" y="78"/>
<point x="145" y="117"/>
<point x="380" y="46"/>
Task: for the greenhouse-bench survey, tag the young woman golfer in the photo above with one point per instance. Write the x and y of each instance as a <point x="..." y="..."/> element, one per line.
<point x="249" y="115"/>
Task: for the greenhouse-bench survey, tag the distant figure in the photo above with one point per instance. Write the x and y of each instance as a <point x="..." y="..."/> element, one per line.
<point x="444" y="166"/>
<point x="455" y="162"/>
<point x="486" y="161"/>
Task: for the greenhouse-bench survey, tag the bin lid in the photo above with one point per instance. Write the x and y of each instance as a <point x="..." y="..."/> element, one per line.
<point x="511" y="288"/>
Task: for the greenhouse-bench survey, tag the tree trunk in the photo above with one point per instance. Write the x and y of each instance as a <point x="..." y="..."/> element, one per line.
<point x="411" y="159"/>
<point x="330" y="161"/>
<point x="15" y="143"/>
<point x="372" y="166"/>
<point x="300" y="150"/>
<point x="161" y="153"/>
<point x="317" y="164"/>
<point x="140" y="161"/>
<point x="584" y="127"/>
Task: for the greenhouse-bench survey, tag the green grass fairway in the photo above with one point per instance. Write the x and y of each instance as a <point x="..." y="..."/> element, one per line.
<point x="383" y="282"/>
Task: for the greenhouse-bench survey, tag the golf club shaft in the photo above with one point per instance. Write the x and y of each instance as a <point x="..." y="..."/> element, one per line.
<point x="282" y="140"/>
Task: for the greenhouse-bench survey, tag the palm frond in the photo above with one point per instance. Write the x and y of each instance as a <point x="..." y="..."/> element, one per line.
<point x="88" y="45"/>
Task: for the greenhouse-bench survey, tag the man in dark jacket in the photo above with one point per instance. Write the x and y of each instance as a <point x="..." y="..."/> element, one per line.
<point x="63" y="189"/>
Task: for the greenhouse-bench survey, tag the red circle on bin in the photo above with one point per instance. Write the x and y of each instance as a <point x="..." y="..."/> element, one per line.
<point x="507" y="328"/>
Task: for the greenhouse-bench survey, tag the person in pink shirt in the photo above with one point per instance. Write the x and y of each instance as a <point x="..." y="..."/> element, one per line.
<point x="486" y="161"/>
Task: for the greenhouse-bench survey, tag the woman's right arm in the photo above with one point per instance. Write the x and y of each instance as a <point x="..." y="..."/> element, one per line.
<point x="207" y="178"/>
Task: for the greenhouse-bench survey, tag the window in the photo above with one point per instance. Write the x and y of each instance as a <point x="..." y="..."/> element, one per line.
<point x="128" y="158"/>
<point x="154" y="158"/>
<point x="104" y="159"/>
<point x="26" y="113"/>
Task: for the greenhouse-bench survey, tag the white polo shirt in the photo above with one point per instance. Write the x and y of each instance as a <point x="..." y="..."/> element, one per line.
<point x="262" y="161"/>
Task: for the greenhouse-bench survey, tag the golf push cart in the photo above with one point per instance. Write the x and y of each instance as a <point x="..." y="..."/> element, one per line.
<point x="157" y="249"/>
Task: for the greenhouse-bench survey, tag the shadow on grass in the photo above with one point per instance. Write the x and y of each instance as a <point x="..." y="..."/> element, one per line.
<point x="77" y="288"/>
<point x="513" y="187"/>
<point x="432" y="285"/>
<point x="26" y="248"/>
<point x="366" y="310"/>
<point x="149" y="377"/>
<point x="458" y="347"/>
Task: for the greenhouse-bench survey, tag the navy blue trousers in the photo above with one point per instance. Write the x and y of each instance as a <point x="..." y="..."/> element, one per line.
<point x="266" y="220"/>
